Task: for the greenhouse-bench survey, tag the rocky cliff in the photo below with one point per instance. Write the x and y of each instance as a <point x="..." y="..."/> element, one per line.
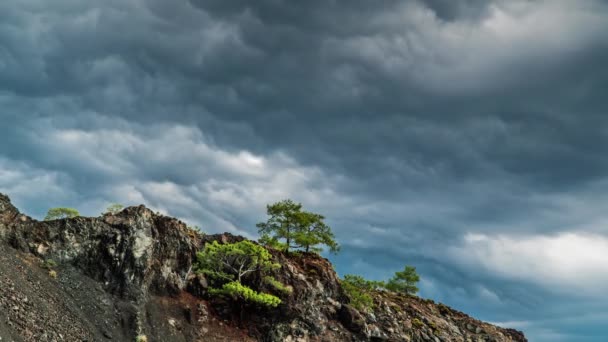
<point x="129" y="274"/>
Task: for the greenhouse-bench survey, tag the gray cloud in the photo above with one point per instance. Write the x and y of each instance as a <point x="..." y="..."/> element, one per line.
<point x="412" y="125"/>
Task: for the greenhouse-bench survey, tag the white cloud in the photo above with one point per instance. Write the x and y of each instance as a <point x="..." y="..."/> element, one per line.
<point x="575" y="263"/>
<point x="464" y="56"/>
<point x="177" y="170"/>
<point x="26" y="184"/>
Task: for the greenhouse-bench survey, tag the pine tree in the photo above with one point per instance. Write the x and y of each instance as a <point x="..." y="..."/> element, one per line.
<point x="404" y="281"/>
<point x="299" y="229"/>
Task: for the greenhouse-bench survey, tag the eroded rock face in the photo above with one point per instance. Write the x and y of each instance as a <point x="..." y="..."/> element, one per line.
<point x="137" y="267"/>
<point x="128" y="252"/>
<point x="8" y="215"/>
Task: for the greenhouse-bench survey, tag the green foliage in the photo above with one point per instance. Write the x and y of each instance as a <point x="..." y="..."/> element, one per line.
<point x="235" y="289"/>
<point x="141" y="338"/>
<point x="61" y="213"/>
<point x="404" y="281"/>
<point x="194" y="232"/>
<point x="233" y="261"/>
<point x="272" y="242"/>
<point x="417" y="323"/>
<point x="49" y="264"/>
<point x="358" y="290"/>
<point x="362" y="283"/>
<point x="227" y="265"/>
<point x="312" y="231"/>
<point x="299" y="229"/>
<point x="114" y="208"/>
<point x="444" y="309"/>
<point x="282" y="222"/>
<point x="278" y="285"/>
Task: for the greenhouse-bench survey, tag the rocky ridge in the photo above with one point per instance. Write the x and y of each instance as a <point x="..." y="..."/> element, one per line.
<point x="129" y="274"/>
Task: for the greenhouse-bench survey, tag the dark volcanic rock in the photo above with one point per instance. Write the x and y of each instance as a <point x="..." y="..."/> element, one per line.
<point x="122" y="275"/>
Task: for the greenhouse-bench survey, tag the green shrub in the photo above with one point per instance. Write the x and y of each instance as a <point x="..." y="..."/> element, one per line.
<point x="48" y="264"/>
<point x="444" y="309"/>
<point x="114" y="208"/>
<point x="141" y="338"/>
<point x="278" y="285"/>
<point x="235" y="290"/>
<point x="272" y="242"/>
<point x="61" y="213"/>
<point x="194" y="232"/>
<point x="404" y="281"/>
<point x="358" y="290"/>
<point x="417" y="323"/>
<point x="227" y="265"/>
<point x="234" y="261"/>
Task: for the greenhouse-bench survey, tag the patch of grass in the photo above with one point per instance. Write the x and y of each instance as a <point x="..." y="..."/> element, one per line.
<point x="141" y="338"/>
<point x="444" y="309"/>
<point x="417" y="323"/>
<point x="312" y="271"/>
<point x="278" y="285"/>
<point x="49" y="264"/>
<point x="195" y="232"/>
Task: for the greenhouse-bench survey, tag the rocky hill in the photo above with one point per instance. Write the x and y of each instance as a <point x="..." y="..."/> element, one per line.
<point x="116" y="277"/>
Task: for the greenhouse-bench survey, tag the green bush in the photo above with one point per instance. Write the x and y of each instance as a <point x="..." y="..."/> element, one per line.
<point x="141" y="338"/>
<point x="417" y="323"/>
<point x="272" y="242"/>
<point x="61" y="213"/>
<point x="358" y="290"/>
<point x="228" y="265"/>
<point x="404" y="281"/>
<point x="278" y="285"/>
<point x="194" y="232"/>
<point x="235" y="290"/>
<point x="114" y="208"/>
<point x="234" y="261"/>
<point x="48" y="264"/>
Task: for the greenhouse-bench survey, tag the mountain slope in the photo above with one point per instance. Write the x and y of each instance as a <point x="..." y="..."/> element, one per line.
<point x="129" y="274"/>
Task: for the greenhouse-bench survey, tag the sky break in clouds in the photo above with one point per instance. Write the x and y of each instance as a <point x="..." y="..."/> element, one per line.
<point x="464" y="137"/>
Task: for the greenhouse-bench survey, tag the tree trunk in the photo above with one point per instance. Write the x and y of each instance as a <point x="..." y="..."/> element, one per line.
<point x="288" y="237"/>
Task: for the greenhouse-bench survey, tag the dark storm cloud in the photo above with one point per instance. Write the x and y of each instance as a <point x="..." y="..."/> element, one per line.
<point x="454" y="10"/>
<point x="432" y="132"/>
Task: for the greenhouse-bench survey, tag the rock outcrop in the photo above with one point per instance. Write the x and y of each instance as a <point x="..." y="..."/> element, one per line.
<point x="129" y="274"/>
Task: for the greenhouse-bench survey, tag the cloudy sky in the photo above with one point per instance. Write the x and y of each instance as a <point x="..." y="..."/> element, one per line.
<point x="467" y="138"/>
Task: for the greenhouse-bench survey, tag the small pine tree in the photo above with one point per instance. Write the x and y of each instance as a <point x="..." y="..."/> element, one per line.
<point x="358" y="290"/>
<point x="61" y="213"/>
<point x="114" y="208"/>
<point x="404" y="281"/>
<point x="312" y="231"/>
<point x="299" y="229"/>
<point x="282" y="221"/>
